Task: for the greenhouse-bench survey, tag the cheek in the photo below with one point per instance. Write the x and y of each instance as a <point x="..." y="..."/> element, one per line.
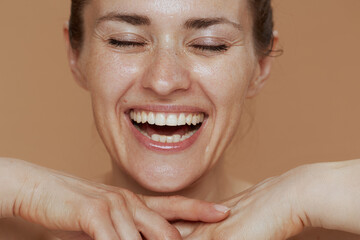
<point x="109" y="76"/>
<point x="224" y="82"/>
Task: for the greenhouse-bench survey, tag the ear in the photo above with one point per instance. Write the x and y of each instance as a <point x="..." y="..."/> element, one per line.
<point x="73" y="58"/>
<point x="263" y="70"/>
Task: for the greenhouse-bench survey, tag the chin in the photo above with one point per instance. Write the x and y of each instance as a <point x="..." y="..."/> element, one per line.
<point x="163" y="185"/>
<point x="167" y="145"/>
<point x="165" y="174"/>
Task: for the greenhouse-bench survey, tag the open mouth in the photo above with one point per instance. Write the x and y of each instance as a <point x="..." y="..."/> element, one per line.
<point x="167" y="128"/>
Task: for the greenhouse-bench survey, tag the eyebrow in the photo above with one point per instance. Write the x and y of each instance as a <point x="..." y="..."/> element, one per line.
<point x="200" y="23"/>
<point x="141" y="20"/>
<point x="132" y="19"/>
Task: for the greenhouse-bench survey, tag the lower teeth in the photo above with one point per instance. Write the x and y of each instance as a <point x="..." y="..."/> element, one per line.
<point x="167" y="139"/>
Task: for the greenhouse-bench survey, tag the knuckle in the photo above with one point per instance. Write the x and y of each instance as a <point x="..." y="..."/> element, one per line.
<point x="127" y="192"/>
<point x="113" y="197"/>
<point x="139" y="210"/>
<point x="124" y="200"/>
<point x="171" y="233"/>
<point x="132" y="197"/>
<point x="129" y="196"/>
<point x="135" y="201"/>
<point x="116" y="201"/>
<point x="141" y="197"/>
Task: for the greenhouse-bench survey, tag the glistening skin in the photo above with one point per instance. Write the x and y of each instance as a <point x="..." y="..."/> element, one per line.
<point x="162" y="61"/>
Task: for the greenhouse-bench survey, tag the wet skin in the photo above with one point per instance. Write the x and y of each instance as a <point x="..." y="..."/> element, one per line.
<point x="170" y="57"/>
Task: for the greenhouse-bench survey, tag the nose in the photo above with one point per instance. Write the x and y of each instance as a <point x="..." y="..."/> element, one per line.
<point x="166" y="73"/>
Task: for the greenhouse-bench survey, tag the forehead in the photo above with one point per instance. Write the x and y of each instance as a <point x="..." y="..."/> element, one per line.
<point x="173" y="10"/>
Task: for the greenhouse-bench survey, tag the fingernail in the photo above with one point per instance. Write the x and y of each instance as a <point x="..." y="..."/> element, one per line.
<point x="221" y="208"/>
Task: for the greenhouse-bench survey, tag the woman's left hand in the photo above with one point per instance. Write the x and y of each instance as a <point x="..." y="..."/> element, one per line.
<point x="316" y="195"/>
<point x="321" y="195"/>
<point x="270" y="210"/>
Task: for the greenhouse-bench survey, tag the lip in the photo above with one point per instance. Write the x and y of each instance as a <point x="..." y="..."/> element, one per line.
<point x="167" y="109"/>
<point x="165" y="147"/>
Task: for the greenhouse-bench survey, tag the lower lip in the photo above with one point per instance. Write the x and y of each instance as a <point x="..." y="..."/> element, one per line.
<point x="165" y="147"/>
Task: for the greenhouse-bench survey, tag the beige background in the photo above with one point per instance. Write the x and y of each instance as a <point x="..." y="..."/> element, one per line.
<point x="308" y="112"/>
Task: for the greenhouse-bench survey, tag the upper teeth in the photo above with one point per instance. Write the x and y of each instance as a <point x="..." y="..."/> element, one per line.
<point x="167" y="119"/>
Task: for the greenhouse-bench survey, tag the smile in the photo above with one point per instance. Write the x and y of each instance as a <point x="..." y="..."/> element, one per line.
<point x="166" y="131"/>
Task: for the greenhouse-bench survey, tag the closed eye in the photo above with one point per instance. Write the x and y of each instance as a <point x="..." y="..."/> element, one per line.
<point x="214" y="48"/>
<point x="124" y="44"/>
<point x="127" y="44"/>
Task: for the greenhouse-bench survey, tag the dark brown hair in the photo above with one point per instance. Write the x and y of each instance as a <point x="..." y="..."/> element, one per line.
<point x="76" y="23"/>
<point x="261" y="10"/>
<point x="263" y="26"/>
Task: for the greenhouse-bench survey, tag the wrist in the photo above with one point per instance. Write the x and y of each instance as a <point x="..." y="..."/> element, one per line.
<point x="12" y="179"/>
<point x="297" y="182"/>
<point x="312" y="192"/>
<point x="329" y="194"/>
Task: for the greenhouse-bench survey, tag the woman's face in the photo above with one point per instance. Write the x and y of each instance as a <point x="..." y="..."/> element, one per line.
<point x="167" y="80"/>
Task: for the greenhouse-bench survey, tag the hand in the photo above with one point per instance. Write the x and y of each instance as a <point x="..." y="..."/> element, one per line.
<point x="270" y="210"/>
<point x="321" y="195"/>
<point x="62" y="202"/>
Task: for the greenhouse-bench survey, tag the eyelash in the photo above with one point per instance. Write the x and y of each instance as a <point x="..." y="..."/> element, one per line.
<point x="211" y="48"/>
<point x="118" y="43"/>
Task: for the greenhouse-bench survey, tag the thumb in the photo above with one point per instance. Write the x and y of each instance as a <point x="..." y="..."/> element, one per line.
<point x="60" y="235"/>
<point x="186" y="228"/>
<point x="181" y="208"/>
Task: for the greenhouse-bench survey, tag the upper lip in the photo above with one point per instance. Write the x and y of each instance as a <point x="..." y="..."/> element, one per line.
<point x="167" y="108"/>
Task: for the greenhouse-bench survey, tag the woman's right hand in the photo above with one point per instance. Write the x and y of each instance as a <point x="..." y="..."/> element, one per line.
<point x="61" y="202"/>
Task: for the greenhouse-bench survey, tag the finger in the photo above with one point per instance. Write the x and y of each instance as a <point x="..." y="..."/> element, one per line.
<point x="204" y="234"/>
<point x="60" y="235"/>
<point x="124" y="224"/>
<point x="178" y="207"/>
<point x="102" y="229"/>
<point x="197" y="237"/>
<point x="153" y="226"/>
<point x="185" y="228"/>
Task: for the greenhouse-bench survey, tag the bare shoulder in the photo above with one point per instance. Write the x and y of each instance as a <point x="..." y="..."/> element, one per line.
<point x="17" y="229"/>
<point x="324" y="234"/>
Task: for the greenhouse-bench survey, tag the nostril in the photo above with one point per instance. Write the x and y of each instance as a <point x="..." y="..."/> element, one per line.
<point x="166" y="79"/>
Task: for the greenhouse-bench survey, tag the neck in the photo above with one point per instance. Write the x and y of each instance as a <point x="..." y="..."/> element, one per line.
<point x="211" y="187"/>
